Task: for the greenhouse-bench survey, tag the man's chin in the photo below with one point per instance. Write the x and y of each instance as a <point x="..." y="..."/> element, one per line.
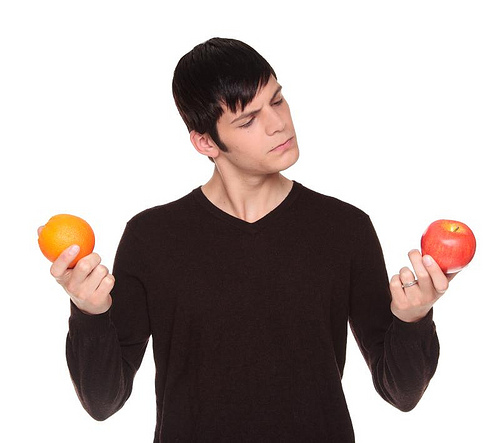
<point x="293" y="160"/>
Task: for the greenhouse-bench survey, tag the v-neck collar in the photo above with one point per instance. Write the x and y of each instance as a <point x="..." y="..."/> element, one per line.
<point x="243" y="224"/>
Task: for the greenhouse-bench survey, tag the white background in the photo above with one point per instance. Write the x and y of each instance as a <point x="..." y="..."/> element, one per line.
<point x="396" y="108"/>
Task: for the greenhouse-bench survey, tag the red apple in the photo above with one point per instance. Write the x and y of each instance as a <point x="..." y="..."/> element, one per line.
<point x="450" y="243"/>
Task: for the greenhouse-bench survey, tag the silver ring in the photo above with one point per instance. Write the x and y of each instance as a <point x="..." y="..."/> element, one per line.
<point x="409" y="285"/>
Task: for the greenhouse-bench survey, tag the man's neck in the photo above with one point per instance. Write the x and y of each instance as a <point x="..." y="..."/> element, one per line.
<point x="249" y="198"/>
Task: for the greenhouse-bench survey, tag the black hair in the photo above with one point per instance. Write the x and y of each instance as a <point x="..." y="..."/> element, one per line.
<point x="218" y="72"/>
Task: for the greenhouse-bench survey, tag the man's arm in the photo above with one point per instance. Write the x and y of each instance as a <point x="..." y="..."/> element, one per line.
<point x="107" y="334"/>
<point x="402" y="356"/>
<point x="101" y="375"/>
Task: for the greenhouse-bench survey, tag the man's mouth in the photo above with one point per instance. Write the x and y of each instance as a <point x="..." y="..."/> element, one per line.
<point x="284" y="145"/>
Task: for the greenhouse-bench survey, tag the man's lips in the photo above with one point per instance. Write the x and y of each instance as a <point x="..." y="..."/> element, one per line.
<point x="284" y="145"/>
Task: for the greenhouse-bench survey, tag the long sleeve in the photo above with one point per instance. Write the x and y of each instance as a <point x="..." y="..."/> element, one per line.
<point x="105" y="351"/>
<point x="249" y="322"/>
<point x="402" y="357"/>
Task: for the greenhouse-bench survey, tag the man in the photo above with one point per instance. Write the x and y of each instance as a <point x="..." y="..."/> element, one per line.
<point x="247" y="284"/>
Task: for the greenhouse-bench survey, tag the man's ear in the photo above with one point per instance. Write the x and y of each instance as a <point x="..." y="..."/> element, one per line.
<point x="204" y="144"/>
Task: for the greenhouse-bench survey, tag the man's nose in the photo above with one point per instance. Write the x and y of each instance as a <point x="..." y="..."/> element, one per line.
<point x="275" y="123"/>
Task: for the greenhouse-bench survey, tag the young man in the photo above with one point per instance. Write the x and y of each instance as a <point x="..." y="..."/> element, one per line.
<point x="247" y="284"/>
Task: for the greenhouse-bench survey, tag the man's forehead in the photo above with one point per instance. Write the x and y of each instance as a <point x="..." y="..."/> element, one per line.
<point x="264" y="93"/>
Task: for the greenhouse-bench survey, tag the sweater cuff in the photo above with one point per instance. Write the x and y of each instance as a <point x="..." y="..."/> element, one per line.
<point x="416" y="330"/>
<point x="92" y="326"/>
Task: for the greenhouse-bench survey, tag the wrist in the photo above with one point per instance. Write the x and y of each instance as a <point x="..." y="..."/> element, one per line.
<point x="412" y="316"/>
<point x="407" y="331"/>
<point x="92" y="308"/>
<point x="91" y="325"/>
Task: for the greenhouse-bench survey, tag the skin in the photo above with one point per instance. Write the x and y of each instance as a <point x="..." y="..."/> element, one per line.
<point x="246" y="181"/>
<point x="247" y="184"/>
<point x="413" y="303"/>
<point x="88" y="284"/>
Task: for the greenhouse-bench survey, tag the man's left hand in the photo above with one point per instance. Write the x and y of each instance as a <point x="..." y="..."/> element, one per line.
<point x="413" y="302"/>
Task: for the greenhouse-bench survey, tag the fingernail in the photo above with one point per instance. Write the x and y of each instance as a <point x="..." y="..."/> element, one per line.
<point x="74" y="250"/>
<point x="427" y="260"/>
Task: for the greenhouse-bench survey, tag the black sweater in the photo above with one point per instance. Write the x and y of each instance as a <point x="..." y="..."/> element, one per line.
<point x="249" y="322"/>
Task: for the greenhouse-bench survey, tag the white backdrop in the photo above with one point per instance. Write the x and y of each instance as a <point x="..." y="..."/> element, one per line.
<point x="396" y="108"/>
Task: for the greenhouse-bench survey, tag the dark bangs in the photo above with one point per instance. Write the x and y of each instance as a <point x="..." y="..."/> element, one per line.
<point x="215" y="73"/>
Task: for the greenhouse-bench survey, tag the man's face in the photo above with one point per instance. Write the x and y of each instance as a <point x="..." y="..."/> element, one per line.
<point x="252" y="135"/>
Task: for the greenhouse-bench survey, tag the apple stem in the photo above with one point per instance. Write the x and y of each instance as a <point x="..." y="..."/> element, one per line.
<point x="456" y="228"/>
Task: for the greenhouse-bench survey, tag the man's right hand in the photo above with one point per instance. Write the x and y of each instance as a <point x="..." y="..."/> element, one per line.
<point x="88" y="284"/>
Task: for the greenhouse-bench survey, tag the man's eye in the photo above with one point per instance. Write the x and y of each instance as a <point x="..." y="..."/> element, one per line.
<point x="246" y="125"/>
<point x="279" y="102"/>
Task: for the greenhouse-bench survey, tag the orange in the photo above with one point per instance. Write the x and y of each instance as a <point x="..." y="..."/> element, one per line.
<point x="62" y="231"/>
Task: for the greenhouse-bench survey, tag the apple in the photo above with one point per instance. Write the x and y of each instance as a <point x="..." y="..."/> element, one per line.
<point x="450" y="243"/>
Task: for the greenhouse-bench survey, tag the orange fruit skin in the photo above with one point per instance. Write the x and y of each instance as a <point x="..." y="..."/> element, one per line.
<point x="62" y="231"/>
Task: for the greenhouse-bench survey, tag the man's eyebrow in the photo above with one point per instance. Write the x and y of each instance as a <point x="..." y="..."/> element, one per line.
<point x="256" y="111"/>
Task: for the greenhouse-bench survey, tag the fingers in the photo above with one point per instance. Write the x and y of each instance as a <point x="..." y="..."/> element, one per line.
<point x="407" y="303"/>
<point x="60" y="266"/>
<point x="425" y="282"/>
<point x="412" y="302"/>
<point x="85" y="277"/>
<point x="88" y="284"/>
<point x="430" y="277"/>
<point x="105" y="286"/>
<point x="406" y="276"/>
<point x="439" y="279"/>
<point x="84" y="268"/>
<point x="95" y="278"/>
<point x="96" y="300"/>
<point x="397" y="292"/>
<point x="409" y="293"/>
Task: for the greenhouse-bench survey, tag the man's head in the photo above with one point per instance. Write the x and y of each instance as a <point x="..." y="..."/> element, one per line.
<point x="214" y="83"/>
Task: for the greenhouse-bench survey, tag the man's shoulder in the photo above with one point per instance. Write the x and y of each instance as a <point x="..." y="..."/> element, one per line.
<point x="332" y="206"/>
<point x="332" y="221"/>
<point x="171" y="214"/>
